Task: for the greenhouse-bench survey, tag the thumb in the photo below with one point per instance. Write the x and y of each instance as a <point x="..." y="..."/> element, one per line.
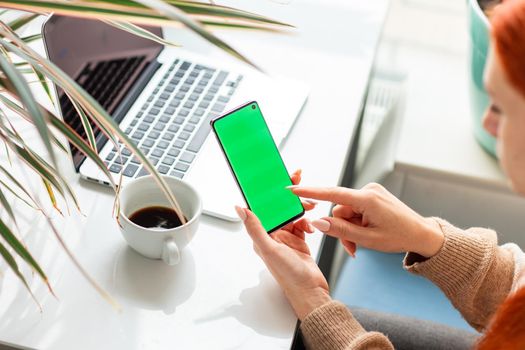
<point x="255" y="229"/>
<point x="340" y="228"/>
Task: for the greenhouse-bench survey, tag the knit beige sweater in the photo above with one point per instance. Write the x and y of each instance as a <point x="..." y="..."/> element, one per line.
<point x="472" y="270"/>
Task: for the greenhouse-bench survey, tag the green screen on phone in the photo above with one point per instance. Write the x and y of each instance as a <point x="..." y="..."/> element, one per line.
<point x="257" y="165"/>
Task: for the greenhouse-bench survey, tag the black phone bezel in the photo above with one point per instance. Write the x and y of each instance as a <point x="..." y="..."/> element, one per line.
<point x="212" y="123"/>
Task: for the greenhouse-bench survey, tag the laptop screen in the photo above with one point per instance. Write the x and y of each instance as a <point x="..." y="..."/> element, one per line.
<point x="109" y="63"/>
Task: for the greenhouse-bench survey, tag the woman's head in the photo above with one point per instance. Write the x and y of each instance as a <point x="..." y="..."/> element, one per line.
<point x="505" y="119"/>
<point x="505" y="83"/>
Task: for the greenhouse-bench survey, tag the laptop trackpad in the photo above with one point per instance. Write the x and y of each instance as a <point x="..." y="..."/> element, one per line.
<point x="214" y="181"/>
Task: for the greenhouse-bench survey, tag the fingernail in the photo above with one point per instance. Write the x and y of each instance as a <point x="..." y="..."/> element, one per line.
<point x="353" y="250"/>
<point x="311" y="201"/>
<point x="311" y="229"/>
<point x="240" y="211"/>
<point x="291" y="187"/>
<point x="321" y="225"/>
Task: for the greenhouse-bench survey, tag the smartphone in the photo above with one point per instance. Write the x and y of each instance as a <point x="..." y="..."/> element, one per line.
<point x="257" y="166"/>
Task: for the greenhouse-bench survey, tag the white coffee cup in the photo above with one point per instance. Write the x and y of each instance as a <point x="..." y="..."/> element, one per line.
<point x="155" y="243"/>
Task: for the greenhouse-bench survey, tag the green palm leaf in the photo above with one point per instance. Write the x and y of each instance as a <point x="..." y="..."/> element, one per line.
<point x="30" y="38"/>
<point x="214" y="10"/>
<point x="16" y="83"/>
<point x="179" y="15"/>
<point x="37" y="163"/>
<point x="153" y="12"/>
<point x="134" y="12"/>
<point x="22" y="21"/>
<point x="14" y="267"/>
<point x="85" y="123"/>
<point x="23" y="113"/>
<point x="7" y="206"/>
<point x="81" y="144"/>
<point x="19" y="248"/>
<point x="33" y="160"/>
<point x="17" y="184"/>
<point x="43" y="82"/>
<point x="139" y="31"/>
<point x="91" y="105"/>
<point x="87" y="102"/>
<point x="51" y="195"/>
<point x="199" y="8"/>
<point x="17" y="195"/>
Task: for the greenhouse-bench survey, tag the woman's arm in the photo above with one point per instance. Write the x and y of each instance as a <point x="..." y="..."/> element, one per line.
<point x="332" y="326"/>
<point x="468" y="265"/>
<point x="326" y="324"/>
<point x="471" y="269"/>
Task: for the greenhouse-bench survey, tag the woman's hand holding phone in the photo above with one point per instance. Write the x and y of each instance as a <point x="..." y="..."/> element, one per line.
<point x="374" y="218"/>
<point x="288" y="258"/>
<point x="257" y="166"/>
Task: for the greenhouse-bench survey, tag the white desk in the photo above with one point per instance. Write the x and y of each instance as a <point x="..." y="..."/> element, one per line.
<point x="221" y="295"/>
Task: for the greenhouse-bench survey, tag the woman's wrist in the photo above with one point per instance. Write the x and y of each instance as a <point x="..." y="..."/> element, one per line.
<point x="432" y="238"/>
<point x="305" y="301"/>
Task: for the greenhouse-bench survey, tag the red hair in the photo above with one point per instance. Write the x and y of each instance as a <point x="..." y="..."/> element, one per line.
<point x="507" y="327"/>
<point x="508" y="34"/>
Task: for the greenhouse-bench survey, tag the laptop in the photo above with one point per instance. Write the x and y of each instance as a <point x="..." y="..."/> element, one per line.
<point x="163" y="99"/>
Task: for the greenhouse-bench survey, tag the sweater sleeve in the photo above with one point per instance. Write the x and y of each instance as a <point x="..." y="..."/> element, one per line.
<point x="471" y="269"/>
<point x="332" y="327"/>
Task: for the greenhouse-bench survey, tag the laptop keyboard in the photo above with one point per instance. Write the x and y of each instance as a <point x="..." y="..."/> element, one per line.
<point x="104" y="81"/>
<point x="173" y="124"/>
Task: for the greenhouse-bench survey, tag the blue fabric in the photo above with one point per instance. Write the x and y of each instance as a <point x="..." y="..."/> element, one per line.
<point x="377" y="281"/>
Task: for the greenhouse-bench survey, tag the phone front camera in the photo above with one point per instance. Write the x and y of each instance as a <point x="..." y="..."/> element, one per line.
<point x="253" y="106"/>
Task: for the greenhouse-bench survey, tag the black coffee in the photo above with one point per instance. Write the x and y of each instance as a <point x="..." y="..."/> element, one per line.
<point x="156" y="217"/>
